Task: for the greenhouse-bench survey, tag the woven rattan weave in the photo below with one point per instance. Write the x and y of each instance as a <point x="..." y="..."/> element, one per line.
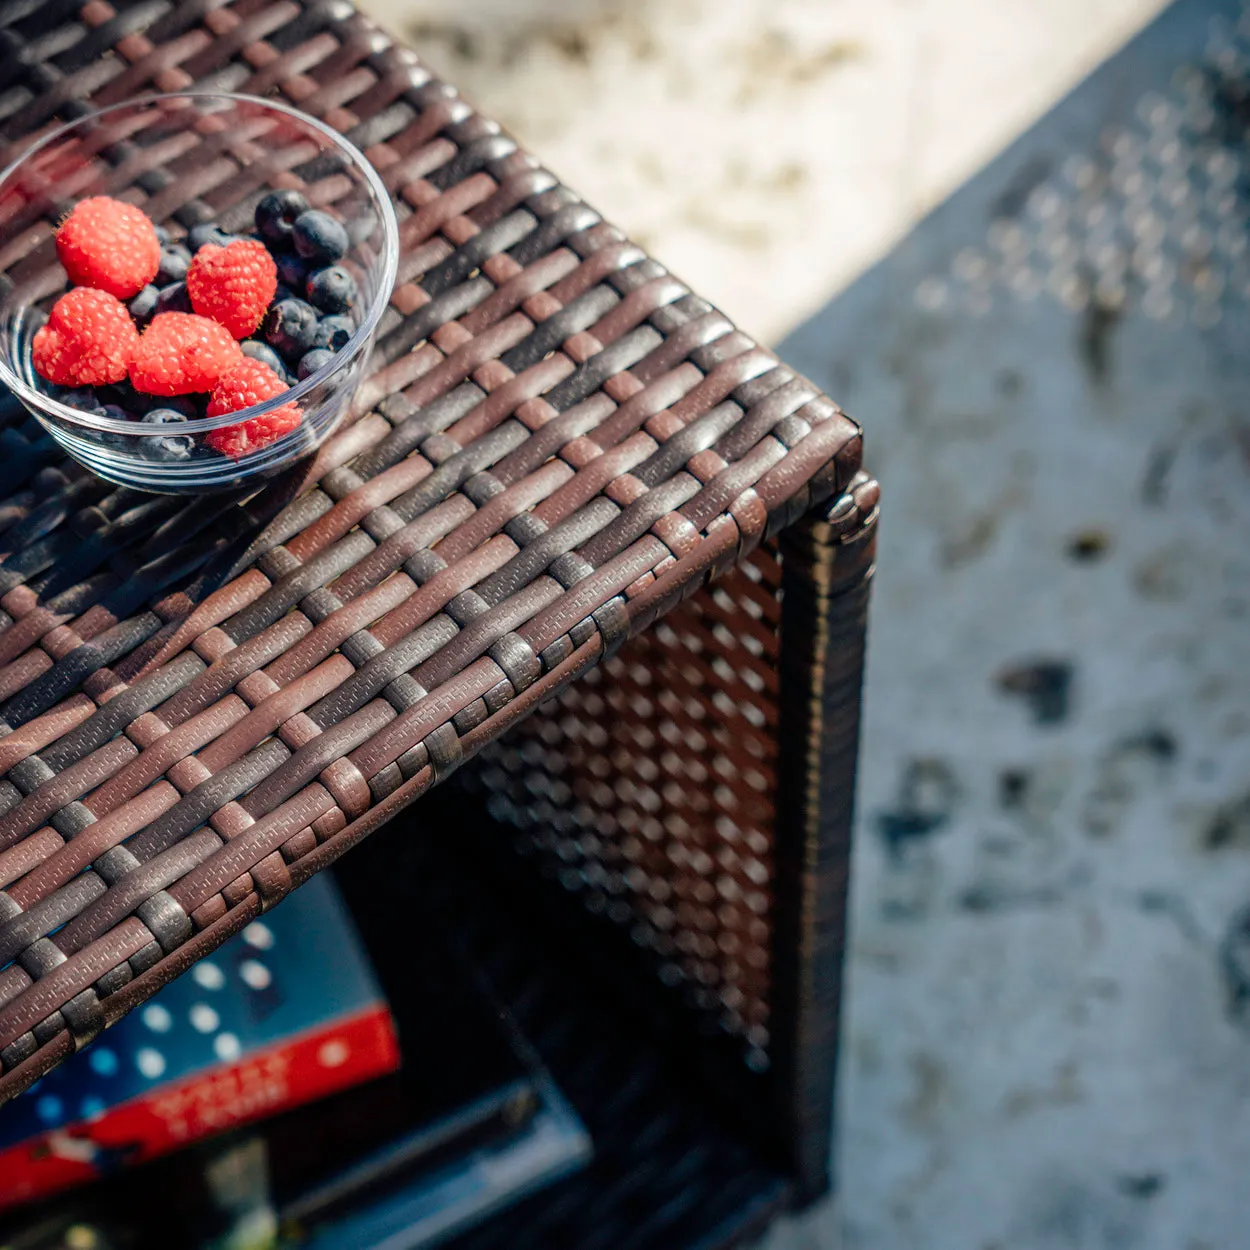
<point x="201" y="704"/>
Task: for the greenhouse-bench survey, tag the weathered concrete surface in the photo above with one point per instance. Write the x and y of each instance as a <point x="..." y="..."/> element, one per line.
<point x="1047" y="1041"/>
<point x="765" y="150"/>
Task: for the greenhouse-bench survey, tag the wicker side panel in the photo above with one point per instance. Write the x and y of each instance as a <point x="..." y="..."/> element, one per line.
<point x="648" y="788"/>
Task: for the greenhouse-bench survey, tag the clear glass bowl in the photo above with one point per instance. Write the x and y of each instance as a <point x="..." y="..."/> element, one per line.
<point x="187" y="158"/>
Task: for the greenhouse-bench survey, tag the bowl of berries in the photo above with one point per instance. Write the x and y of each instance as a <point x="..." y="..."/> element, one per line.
<point x="190" y="286"/>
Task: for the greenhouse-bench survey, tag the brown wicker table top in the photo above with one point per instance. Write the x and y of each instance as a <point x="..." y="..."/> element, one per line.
<point x="202" y="704"/>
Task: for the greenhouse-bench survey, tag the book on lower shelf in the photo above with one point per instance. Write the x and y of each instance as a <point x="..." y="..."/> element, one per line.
<point x="406" y="1208"/>
<point x="470" y="1123"/>
<point x="287" y="1012"/>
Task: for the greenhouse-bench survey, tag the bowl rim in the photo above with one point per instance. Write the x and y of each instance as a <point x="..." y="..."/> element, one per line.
<point x="46" y="404"/>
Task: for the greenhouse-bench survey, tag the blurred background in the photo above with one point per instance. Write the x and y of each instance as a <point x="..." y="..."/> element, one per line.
<point x="767" y="151"/>
<point x="1045" y="1042"/>
<point x="1012" y="238"/>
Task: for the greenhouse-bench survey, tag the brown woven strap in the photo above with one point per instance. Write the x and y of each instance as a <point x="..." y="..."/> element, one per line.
<point x="202" y="704"/>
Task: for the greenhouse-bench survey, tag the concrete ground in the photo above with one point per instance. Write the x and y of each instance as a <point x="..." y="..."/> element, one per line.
<point x="767" y="151"/>
<point x="1046" y="1039"/>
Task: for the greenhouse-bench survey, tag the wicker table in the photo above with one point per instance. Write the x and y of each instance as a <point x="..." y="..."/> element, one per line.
<point x="201" y="705"/>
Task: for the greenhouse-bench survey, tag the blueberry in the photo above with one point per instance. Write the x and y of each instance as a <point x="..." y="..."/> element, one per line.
<point x="183" y="404"/>
<point x="117" y="441"/>
<point x="292" y="270"/>
<point x="289" y="327"/>
<point x="276" y="214"/>
<point x="281" y="292"/>
<point x="124" y="396"/>
<point x="333" y="290"/>
<point x="174" y="262"/>
<point x="162" y="235"/>
<point x="209" y="232"/>
<point x="318" y="237"/>
<point x="311" y="361"/>
<point x="137" y="404"/>
<point x="174" y="298"/>
<point x="333" y="332"/>
<point x="266" y="355"/>
<point x="143" y="305"/>
<point x="170" y="449"/>
<point x="83" y="398"/>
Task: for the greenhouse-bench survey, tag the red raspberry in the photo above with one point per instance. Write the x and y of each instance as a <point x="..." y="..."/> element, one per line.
<point x="88" y="340"/>
<point x="109" y="245"/>
<point x="233" y="285"/>
<point x="249" y="382"/>
<point x="180" y="353"/>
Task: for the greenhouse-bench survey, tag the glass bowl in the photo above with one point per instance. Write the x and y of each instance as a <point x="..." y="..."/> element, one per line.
<point x="186" y="159"/>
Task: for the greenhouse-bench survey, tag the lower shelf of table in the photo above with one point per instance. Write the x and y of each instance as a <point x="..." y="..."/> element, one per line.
<point x="675" y="1163"/>
<point x="679" y="1124"/>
